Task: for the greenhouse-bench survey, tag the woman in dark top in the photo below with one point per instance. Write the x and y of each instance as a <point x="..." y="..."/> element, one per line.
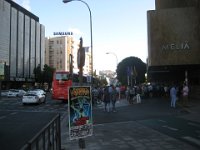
<point x="106" y="99"/>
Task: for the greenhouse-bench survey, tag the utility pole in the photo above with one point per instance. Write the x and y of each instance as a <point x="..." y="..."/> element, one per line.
<point x="81" y="63"/>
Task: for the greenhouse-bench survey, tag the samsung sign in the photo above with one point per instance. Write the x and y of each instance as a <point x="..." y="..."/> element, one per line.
<point x="62" y="33"/>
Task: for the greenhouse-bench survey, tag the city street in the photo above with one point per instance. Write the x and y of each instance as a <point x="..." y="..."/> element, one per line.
<point x="15" y="104"/>
<point x="151" y="124"/>
<point x="147" y="61"/>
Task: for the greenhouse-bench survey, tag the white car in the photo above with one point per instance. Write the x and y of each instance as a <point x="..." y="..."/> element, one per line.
<point x="4" y="93"/>
<point x="34" y="97"/>
<point x="16" y="93"/>
<point x="40" y="90"/>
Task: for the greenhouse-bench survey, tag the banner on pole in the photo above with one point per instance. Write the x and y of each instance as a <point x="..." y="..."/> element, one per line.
<point x="80" y="112"/>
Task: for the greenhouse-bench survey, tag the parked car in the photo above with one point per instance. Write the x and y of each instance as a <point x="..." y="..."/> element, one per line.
<point x="39" y="90"/>
<point x="34" y="96"/>
<point x="4" y="93"/>
<point x="16" y="93"/>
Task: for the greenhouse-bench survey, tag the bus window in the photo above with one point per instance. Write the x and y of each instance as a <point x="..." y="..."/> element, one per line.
<point x="62" y="77"/>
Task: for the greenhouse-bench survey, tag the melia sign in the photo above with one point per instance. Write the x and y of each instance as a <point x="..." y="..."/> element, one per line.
<point x="173" y="37"/>
<point x="62" y="33"/>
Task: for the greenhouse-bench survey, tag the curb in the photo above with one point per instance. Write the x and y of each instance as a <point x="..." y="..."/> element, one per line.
<point x="184" y="108"/>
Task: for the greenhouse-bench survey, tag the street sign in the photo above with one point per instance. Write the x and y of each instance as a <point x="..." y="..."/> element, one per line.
<point x="80" y="112"/>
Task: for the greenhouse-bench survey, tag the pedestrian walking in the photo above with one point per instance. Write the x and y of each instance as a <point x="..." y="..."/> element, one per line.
<point x="110" y="90"/>
<point x="173" y="93"/>
<point x="114" y="98"/>
<point x="106" y="99"/>
<point x="127" y="94"/>
<point x="118" y="92"/>
<point x="166" y="91"/>
<point x="132" y="95"/>
<point x="185" y="93"/>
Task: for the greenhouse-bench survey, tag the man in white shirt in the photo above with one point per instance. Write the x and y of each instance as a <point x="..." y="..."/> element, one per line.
<point x="185" y="93"/>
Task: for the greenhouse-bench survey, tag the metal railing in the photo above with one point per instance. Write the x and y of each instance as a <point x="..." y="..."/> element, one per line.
<point x="49" y="138"/>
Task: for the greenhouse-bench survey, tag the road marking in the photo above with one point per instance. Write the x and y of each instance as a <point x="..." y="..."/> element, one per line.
<point x="194" y="124"/>
<point x="191" y="139"/>
<point x="197" y="131"/>
<point x="162" y="120"/>
<point x="171" y="128"/>
<point x="2" y="117"/>
<point x="13" y="113"/>
<point x="122" y="122"/>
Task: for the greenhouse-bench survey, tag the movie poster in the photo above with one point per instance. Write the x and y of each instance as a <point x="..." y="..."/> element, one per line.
<point x="80" y="112"/>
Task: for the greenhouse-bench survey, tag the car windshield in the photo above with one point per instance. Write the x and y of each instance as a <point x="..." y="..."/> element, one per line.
<point x="30" y="94"/>
<point x="13" y="90"/>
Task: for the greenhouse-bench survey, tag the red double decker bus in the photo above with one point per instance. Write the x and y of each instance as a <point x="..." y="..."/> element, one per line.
<point x="61" y="81"/>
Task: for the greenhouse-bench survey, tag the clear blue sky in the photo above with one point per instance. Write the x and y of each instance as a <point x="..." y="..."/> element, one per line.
<point x="119" y="26"/>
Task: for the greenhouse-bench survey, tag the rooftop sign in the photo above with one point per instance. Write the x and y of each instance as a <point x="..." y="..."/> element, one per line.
<point x="62" y="33"/>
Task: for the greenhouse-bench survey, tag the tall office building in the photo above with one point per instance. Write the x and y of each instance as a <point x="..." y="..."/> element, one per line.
<point x="174" y="41"/>
<point x="22" y="43"/>
<point x="58" y="50"/>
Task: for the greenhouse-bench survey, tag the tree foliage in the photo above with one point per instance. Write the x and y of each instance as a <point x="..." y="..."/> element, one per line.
<point x="48" y="74"/>
<point x="131" y="62"/>
<point x="38" y="74"/>
<point x="44" y="76"/>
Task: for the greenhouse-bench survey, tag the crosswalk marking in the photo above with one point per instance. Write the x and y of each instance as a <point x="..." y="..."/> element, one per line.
<point x="194" y="124"/>
<point x="162" y="120"/>
<point x="171" y="128"/>
<point x="2" y="117"/>
<point x="191" y="139"/>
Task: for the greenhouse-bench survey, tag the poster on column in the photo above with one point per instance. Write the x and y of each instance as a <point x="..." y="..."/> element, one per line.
<point x="80" y="112"/>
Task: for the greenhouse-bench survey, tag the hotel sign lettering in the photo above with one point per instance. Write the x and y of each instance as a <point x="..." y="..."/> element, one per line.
<point x="176" y="46"/>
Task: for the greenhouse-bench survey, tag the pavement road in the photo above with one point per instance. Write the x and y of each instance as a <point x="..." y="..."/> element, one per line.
<point x="15" y="104"/>
<point x="151" y="117"/>
<point x="179" y="128"/>
<point x="153" y="124"/>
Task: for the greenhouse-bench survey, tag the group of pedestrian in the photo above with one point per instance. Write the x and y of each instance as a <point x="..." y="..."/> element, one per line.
<point x="174" y="95"/>
<point x="110" y="95"/>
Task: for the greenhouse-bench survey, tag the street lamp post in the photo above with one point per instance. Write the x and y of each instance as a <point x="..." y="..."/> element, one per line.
<point x="115" y="57"/>
<point x="67" y="1"/>
<point x="114" y="79"/>
<point x="81" y="140"/>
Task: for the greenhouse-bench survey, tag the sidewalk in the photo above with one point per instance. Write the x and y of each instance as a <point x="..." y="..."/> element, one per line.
<point x="128" y="135"/>
<point x="193" y="109"/>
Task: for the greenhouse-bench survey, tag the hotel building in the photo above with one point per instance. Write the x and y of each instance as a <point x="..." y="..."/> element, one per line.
<point x="174" y="41"/>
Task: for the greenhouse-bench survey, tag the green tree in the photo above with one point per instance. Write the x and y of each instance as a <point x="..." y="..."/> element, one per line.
<point x="48" y="74"/>
<point x="44" y="76"/>
<point x="38" y="74"/>
<point x="101" y="81"/>
<point x="137" y="74"/>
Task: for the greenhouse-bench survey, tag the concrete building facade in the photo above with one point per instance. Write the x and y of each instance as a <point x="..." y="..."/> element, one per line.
<point x="58" y="50"/>
<point x="22" y="43"/>
<point x="174" y="41"/>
